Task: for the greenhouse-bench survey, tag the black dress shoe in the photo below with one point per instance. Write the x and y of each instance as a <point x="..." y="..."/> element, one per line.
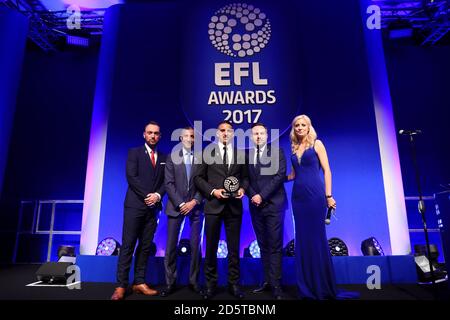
<point x="265" y="287"/>
<point x="277" y="293"/>
<point x="196" y="288"/>
<point x="167" y="291"/>
<point x="209" y="293"/>
<point x="236" y="291"/>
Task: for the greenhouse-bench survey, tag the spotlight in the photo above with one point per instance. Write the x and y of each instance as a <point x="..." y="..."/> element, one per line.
<point x="222" y="250"/>
<point x="252" y="251"/>
<point x="108" y="247"/>
<point x="371" y="247"/>
<point x="424" y="272"/>
<point x="289" y="249"/>
<point x="66" y="253"/>
<point x="421" y="250"/>
<point x="337" y="247"/>
<point x="184" y="248"/>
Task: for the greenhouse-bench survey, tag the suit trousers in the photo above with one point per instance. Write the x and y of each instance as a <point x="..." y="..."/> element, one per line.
<point x="268" y="227"/>
<point x="170" y="262"/>
<point x="139" y="225"/>
<point x="213" y="224"/>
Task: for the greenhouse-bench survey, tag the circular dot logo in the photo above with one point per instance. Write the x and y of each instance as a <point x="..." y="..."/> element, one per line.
<point x="239" y="30"/>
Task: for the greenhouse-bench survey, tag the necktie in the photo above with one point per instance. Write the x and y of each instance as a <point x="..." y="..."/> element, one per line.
<point x="258" y="159"/>
<point x="258" y="155"/>
<point x="188" y="165"/>
<point x="152" y="157"/>
<point x="225" y="157"/>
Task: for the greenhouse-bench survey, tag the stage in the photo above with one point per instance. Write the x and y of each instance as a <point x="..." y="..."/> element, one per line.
<point x="16" y="277"/>
<point x="71" y="110"/>
<point x="348" y="270"/>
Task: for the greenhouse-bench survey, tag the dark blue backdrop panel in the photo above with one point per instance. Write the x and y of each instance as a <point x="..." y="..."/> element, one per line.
<point x="337" y="95"/>
<point x="13" y="34"/>
<point x="274" y="49"/>
<point x="164" y="67"/>
<point x="145" y="87"/>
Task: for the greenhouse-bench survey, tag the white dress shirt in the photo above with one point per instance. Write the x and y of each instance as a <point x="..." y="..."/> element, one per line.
<point x="149" y="150"/>
<point x="261" y="152"/>
<point x="229" y="156"/>
<point x="229" y="152"/>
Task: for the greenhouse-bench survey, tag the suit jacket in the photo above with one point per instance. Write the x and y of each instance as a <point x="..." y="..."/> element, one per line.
<point x="212" y="176"/>
<point x="143" y="178"/>
<point x="176" y="184"/>
<point x="269" y="187"/>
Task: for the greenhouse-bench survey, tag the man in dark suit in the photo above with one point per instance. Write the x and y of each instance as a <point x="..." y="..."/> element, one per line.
<point x="268" y="202"/>
<point x="184" y="201"/>
<point x="220" y="161"/>
<point x="145" y="176"/>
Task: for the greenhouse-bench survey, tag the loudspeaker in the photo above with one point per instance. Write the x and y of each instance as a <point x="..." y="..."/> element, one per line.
<point x="53" y="272"/>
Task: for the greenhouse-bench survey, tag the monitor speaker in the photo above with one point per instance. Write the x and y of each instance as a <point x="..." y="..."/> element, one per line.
<point x="53" y="272"/>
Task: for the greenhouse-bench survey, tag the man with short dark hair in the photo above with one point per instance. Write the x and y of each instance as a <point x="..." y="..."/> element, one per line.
<point x="184" y="201"/>
<point x="145" y="177"/>
<point x="220" y="161"/>
<point x="268" y="202"/>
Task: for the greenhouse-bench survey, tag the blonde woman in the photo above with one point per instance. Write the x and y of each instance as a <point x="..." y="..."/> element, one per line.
<point x="311" y="195"/>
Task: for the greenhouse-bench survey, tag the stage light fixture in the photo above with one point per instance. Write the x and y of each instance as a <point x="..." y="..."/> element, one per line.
<point x="222" y="249"/>
<point x="184" y="248"/>
<point x="66" y="251"/>
<point x="108" y="247"/>
<point x="289" y="249"/>
<point x="255" y="252"/>
<point x="371" y="247"/>
<point x="252" y="251"/>
<point x="424" y="272"/>
<point x="337" y="247"/>
<point x="421" y="250"/>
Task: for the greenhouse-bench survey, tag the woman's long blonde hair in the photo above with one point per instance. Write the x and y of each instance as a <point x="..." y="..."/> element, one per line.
<point x="310" y="138"/>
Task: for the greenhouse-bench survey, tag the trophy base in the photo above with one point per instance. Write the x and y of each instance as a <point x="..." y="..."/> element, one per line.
<point x="230" y="194"/>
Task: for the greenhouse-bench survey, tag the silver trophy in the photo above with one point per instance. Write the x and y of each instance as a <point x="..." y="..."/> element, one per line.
<point x="231" y="186"/>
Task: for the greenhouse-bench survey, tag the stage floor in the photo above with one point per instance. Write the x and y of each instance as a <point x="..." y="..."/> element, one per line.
<point x="14" y="278"/>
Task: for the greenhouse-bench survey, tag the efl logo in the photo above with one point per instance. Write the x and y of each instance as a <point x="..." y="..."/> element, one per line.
<point x="239" y="30"/>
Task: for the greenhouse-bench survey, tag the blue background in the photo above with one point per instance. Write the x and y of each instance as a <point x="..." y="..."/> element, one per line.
<point x="50" y="133"/>
<point x="332" y="78"/>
